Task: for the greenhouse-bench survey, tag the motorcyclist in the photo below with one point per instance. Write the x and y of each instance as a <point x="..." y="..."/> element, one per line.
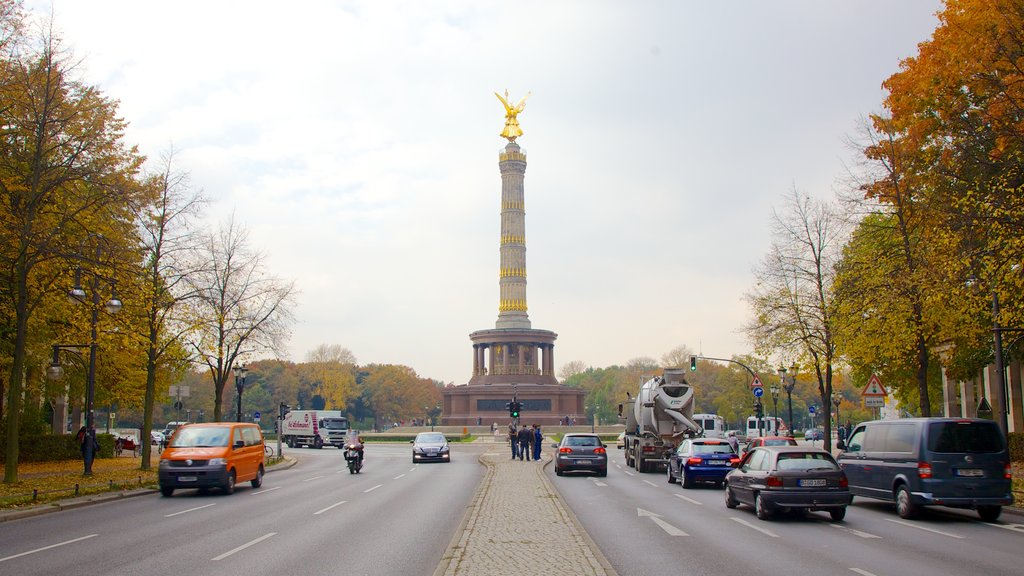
<point x="355" y="442"/>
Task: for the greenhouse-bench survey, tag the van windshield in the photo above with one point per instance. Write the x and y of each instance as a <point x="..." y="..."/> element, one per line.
<point x="977" y="437"/>
<point x="201" y="437"/>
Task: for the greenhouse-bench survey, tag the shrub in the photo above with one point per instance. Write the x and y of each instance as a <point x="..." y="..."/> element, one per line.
<point x="52" y="447"/>
<point x="1017" y="446"/>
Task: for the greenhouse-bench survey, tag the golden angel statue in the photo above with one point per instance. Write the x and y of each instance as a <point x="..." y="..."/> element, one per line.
<point x="512" y="129"/>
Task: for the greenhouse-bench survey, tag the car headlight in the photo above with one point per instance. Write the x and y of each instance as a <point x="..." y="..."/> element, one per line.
<point x="218" y="461"/>
<point x="417" y="450"/>
<point x="443" y="449"/>
<point x="165" y="463"/>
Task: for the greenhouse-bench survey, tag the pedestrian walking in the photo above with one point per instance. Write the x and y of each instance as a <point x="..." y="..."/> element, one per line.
<point x="538" y="441"/>
<point x="524" y="443"/>
<point x="513" y="439"/>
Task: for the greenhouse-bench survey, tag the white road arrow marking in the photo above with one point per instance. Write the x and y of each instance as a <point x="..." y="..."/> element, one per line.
<point x="758" y="528"/>
<point x="925" y="528"/>
<point x="656" y="518"/>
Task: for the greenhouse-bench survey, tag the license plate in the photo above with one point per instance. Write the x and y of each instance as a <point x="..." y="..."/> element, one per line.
<point x="972" y="472"/>
<point x="717" y="462"/>
<point x="812" y="482"/>
<point x="186" y="478"/>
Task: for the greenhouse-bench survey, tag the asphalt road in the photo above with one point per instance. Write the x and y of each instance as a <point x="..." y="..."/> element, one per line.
<point x="644" y="525"/>
<point x="395" y="517"/>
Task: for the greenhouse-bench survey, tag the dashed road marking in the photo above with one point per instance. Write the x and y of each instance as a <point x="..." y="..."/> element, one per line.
<point x="313" y="478"/>
<point x="688" y="499"/>
<point x="651" y="483"/>
<point x="265" y="491"/>
<point x="13" y="556"/>
<point x="397" y="477"/>
<point x="854" y="532"/>
<point x="1010" y="527"/>
<point x="371" y="489"/>
<point x="189" y="510"/>
<point x="758" y="528"/>
<point x="597" y="482"/>
<point x="925" y="528"/>
<point x="861" y="572"/>
<point x="336" y="504"/>
<point x="243" y="547"/>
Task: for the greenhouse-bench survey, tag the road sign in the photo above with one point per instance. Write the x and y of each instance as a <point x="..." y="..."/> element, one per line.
<point x="874" y="401"/>
<point x="756" y="383"/>
<point x="759" y="391"/>
<point x="256" y="416"/>
<point x="811" y="410"/>
<point x="874" y="387"/>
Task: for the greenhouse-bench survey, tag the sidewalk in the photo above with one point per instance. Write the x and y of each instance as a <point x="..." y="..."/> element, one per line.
<point x="518" y="524"/>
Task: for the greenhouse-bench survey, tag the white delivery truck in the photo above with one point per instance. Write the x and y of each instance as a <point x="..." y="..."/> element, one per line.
<point x="315" y="428"/>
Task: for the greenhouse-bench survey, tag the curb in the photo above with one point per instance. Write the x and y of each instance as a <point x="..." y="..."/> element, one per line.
<point x="100" y="498"/>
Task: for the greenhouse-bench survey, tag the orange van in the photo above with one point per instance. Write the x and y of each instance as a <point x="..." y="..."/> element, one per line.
<point x="212" y="455"/>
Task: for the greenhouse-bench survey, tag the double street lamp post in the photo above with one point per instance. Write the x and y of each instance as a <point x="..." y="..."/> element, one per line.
<point x="239" y="387"/>
<point x="788" y="384"/>
<point x="775" y="411"/>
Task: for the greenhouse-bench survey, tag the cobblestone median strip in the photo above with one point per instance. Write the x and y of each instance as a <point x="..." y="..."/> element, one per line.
<point x="518" y="525"/>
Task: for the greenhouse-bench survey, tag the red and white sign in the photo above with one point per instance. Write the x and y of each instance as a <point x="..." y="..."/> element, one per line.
<point x="756" y="383"/>
<point x="874" y="387"/>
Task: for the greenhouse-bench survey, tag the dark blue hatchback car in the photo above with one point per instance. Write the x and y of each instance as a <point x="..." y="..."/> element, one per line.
<point x="701" y="460"/>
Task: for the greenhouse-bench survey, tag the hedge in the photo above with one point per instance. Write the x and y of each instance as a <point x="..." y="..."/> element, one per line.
<point x="1017" y="446"/>
<point x="53" y="447"/>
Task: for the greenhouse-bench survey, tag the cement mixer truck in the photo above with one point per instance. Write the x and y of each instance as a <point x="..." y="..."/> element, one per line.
<point x="657" y="420"/>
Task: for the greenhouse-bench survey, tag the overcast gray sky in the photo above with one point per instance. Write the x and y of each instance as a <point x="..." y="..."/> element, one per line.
<point x="358" y="142"/>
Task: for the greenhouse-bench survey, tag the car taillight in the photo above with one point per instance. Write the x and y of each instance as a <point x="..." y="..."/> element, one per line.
<point x="693" y="461"/>
<point x="773" y="482"/>
<point x="924" y="470"/>
<point x="599" y="450"/>
<point x="1008" y="472"/>
<point x="843" y="482"/>
<point x="565" y="450"/>
<point x="734" y="461"/>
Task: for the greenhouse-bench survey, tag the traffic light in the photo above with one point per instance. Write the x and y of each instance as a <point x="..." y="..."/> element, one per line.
<point x="758" y="409"/>
<point x="693" y="363"/>
<point x="514" y="412"/>
<point x="284" y="409"/>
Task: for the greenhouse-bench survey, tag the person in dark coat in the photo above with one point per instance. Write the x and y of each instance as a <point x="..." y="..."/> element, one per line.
<point x="525" y="438"/>
<point x="538" y="440"/>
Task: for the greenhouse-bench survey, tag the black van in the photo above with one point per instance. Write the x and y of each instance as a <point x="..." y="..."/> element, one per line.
<point x="956" y="462"/>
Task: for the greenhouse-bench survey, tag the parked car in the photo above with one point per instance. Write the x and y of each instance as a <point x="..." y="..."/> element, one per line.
<point x="213" y="455"/>
<point x="620" y="442"/>
<point x="430" y="446"/>
<point x="701" y="460"/>
<point x="915" y="462"/>
<point x="768" y="441"/>
<point x="785" y="478"/>
<point x="156" y="437"/>
<point x="581" y="452"/>
<point x="814" y="434"/>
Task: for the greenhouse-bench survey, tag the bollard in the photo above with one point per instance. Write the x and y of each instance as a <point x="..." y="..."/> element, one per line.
<point x="76" y="488"/>
<point x="35" y="494"/>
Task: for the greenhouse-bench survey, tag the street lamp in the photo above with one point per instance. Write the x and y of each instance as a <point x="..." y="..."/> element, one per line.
<point x="837" y="398"/>
<point x="239" y="386"/>
<point x="788" y="384"/>
<point x="78" y="295"/>
<point x="775" y="402"/>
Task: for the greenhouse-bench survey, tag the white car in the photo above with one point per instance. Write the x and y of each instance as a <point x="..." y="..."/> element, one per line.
<point x="620" y="442"/>
<point x="156" y="437"/>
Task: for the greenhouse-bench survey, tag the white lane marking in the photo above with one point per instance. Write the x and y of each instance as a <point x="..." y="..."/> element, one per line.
<point x="243" y="546"/>
<point x="651" y="483"/>
<point x="372" y="489"/>
<point x="13" y="556"/>
<point x="1010" y="527"/>
<point x="265" y="491"/>
<point x="656" y="518"/>
<point x="758" y="528"/>
<point x="690" y="500"/>
<point x="399" y="476"/>
<point x="413" y="469"/>
<point x="313" y="478"/>
<point x="189" y="510"/>
<point x="854" y="532"/>
<point x="597" y="482"/>
<point x="925" y="528"/>
<point x="318" y="512"/>
<point x="861" y="572"/>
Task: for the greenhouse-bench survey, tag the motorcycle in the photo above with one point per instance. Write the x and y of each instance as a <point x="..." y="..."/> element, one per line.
<point x="355" y="463"/>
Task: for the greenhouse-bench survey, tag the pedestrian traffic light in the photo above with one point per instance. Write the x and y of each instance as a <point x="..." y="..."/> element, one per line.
<point x="693" y="363"/>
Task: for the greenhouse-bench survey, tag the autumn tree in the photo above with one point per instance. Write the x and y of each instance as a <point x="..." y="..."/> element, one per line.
<point x="239" y="309"/>
<point x="793" y="301"/>
<point x="331" y="370"/>
<point x="65" y="176"/>
<point x="571" y="368"/>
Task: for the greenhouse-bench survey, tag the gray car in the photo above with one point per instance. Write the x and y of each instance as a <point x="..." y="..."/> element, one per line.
<point x="430" y="447"/>
<point x="782" y="478"/>
<point x="581" y="452"/>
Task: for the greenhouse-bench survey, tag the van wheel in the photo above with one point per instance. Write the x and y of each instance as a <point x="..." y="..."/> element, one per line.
<point x="229" y="485"/>
<point x="258" y="480"/>
<point x="167" y="491"/>
<point x="989" y="513"/>
<point x="904" y="506"/>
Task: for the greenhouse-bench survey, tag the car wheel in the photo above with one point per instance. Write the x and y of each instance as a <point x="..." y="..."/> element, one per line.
<point x="558" y="471"/>
<point x="760" y="508"/>
<point x="904" y="506"/>
<point x="603" y="473"/>
<point x="229" y="485"/>
<point x="258" y="480"/>
<point x="671" y="478"/>
<point x="685" y="480"/>
<point x="730" y="500"/>
<point x="167" y="491"/>
<point x="989" y="513"/>
<point x="838" y="514"/>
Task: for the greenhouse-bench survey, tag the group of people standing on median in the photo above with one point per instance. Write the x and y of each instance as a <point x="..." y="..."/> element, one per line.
<point x="526" y="441"/>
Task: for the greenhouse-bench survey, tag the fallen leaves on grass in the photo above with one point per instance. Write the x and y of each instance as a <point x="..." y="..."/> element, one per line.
<point x="56" y="480"/>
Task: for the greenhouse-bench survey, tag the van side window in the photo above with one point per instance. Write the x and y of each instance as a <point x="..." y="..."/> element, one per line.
<point x="856" y="442"/>
<point x="900" y="438"/>
<point x="874" y="439"/>
<point x="251" y="436"/>
<point x="236" y="437"/>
